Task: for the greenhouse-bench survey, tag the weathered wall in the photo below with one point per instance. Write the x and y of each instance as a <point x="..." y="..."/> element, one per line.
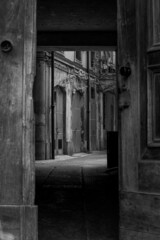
<point x="17" y="210"/>
<point x="138" y="100"/>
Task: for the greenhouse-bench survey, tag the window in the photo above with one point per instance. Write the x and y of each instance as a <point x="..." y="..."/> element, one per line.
<point x="55" y="96"/>
<point x="92" y="59"/>
<point x="92" y="93"/>
<point x="78" y="56"/>
<point x="59" y="143"/>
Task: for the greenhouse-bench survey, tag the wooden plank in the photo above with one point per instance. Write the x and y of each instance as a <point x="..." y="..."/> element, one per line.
<point x="17" y="25"/>
<point x="16" y="105"/>
<point x="87" y="15"/>
<point x="77" y="38"/>
<point x="142" y="15"/>
<point x="11" y="64"/>
<point x="29" y="60"/>
<point x="129" y="117"/>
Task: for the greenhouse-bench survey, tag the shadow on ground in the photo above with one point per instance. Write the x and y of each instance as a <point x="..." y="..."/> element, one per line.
<point x="77" y="199"/>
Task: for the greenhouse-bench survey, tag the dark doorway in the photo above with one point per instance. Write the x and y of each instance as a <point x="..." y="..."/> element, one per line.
<point x="78" y="195"/>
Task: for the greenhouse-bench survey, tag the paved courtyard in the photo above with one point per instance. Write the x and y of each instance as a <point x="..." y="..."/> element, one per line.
<point x="77" y="198"/>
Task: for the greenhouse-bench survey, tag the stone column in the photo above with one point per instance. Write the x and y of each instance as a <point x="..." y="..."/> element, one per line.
<point x="42" y="96"/>
<point x="18" y="215"/>
<point x="69" y="148"/>
<point x="97" y="118"/>
<point x="101" y="121"/>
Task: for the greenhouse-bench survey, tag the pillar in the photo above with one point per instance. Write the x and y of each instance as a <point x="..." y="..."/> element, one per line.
<point x="42" y="100"/>
<point x="101" y="122"/>
<point x="18" y="215"/>
<point x="69" y="147"/>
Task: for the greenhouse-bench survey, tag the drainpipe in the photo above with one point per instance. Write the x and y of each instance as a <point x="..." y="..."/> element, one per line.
<point x="88" y="104"/>
<point x="52" y="103"/>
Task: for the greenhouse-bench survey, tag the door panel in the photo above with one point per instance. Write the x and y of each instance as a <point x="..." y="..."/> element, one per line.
<point x="154" y="24"/>
<point x="18" y="214"/>
<point x="139" y="98"/>
<point x="59" y="121"/>
<point x="149" y="67"/>
<point x="128" y="88"/>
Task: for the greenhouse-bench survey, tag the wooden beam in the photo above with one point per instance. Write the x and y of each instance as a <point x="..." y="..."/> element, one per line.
<point x="71" y="15"/>
<point x="77" y="38"/>
<point x="18" y="215"/>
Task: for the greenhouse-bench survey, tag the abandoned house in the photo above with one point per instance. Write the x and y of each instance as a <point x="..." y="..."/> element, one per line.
<point x="33" y="30"/>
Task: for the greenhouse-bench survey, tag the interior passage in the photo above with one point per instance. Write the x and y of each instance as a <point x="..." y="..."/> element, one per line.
<point x="77" y="198"/>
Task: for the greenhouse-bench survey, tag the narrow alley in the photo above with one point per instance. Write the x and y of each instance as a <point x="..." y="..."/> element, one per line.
<point x="77" y="198"/>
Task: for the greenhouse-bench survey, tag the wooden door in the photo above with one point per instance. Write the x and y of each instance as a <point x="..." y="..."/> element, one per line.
<point x="59" y="121"/>
<point x="76" y="122"/>
<point x="139" y="105"/>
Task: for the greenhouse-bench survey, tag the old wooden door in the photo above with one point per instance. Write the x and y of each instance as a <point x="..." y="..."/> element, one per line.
<point x="139" y="103"/>
<point x="18" y="215"/>
<point x="59" y="121"/>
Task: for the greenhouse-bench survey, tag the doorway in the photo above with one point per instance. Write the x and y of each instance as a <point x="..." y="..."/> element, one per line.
<point x="76" y="98"/>
<point x="59" y="112"/>
<point x="72" y="191"/>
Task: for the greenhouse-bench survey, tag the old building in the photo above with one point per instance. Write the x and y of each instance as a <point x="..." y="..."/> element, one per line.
<point x="81" y="117"/>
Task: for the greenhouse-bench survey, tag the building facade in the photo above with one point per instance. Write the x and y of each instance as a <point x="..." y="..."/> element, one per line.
<point x="73" y="101"/>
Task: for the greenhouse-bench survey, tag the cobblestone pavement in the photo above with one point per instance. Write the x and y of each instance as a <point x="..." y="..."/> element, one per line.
<point x="77" y="198"/>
